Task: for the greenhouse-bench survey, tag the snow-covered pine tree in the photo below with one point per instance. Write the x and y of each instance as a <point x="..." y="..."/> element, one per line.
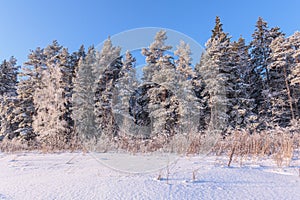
<point x="51" y="122"/>
<point x="202" y="93"/>
<point x="245" y="113"/>
<point x="294" y="77"/>
<point x="153" y="53"/>
<point x="189" y="103"/>
<point x="126" y="86"/>
<point x="164" y="104"/>
<point x="184" y="62"/>
<point x="8" y="98"/>
<point x="231" y="76"/>
<point x="107" y="71"/>
<point x="67" y="68"/>
<point x="280" y="90"/>
<point x="216" y="71"/>
<point x="30" y="80"/>
<point x="259" y="58"/>
<point x="83" y="97"/>
<point x="160" y="87"/>
<point x="74" y="60"/>
<point x="295" y="42"/>
<point x="8" y="77"/>
<point x="105" y="57"/>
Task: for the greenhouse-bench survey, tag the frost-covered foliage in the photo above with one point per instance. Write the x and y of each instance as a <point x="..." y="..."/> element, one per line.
<point x="294" y="76"/>
<point x="260" y="60"/>
<point x="83" y="97"/>
<point x="105" y="57"/>
<point x="8" y="77"/>
<point x="126" y="86"/>
<point x="97" y="96"/>
<point x="216" y="71"/>
<point x="163" y="105"/>
<point x="109" y="65"/>
<point x="8" y="98"/>
<point x="153" y="54"/>
<point x="190" y="106"/>
<point x="282" y="108"/>
<point x="295" y="43"/>
<point x="30" y="80"/>
<point x="51" y="121"/>
<point x="244" y="115"/>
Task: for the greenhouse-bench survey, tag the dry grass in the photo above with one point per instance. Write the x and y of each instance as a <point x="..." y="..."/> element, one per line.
<point x="20" y="145"/>
<point x="279" y="144"/>
<point x="14" y="145"/>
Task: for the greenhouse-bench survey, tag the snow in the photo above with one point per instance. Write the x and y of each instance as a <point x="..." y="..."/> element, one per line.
<point x="110" y="176"/>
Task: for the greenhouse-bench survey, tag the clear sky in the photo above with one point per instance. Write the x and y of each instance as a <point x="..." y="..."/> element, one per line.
<point x="27" y="24"/>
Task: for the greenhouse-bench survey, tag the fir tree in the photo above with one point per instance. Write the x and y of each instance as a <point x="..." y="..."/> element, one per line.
<point x="294" y="76"/>
<point x="153" y="53"/>
<point x="107" y="67"/>
<point x="260" y="60"/>
<point x="280" y="90"/>
<point x="126" y="86"/>
<point x="105" y="57"/>
<point x="51" y="122"/>
<point x="295" y="42"/>
<point x="202" y="94"/>
<point x="30" y="80"/>
<point x="161" y="77"/>
<point x="67" y="68"/>
<point x="244" y="111"/>
<point x="191" y="116"/>
<point x="216" y="73"/>
<point x="8" y="98"/>
<point x="83" y="97"/>
<point x="163" y="105"/>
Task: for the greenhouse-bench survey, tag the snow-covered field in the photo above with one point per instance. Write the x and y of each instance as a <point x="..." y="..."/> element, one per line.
<point x="87" y="176"/>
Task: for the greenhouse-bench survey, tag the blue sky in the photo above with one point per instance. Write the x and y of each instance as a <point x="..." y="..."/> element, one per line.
<point x="28" y="24"/>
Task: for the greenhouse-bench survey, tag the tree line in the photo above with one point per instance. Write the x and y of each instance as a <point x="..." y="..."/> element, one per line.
<point x="57" y="96"/>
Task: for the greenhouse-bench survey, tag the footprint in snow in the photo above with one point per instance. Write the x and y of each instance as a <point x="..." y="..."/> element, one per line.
<point x="3" y="197"/>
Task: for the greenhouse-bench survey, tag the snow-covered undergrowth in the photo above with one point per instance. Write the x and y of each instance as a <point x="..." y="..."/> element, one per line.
<point x="91" y="176"/>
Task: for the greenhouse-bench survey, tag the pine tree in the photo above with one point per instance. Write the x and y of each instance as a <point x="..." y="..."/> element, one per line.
<point x="153" y="53"/>
<point x="160" y="87"/>
<point x="295" y="41"/>
<point x="260" y="50"/>
<point x="8" y="77"/>
<point x="163" y="105"/>
<point x="104" y="94"/>
<point x="105" y="57"/>
<point x="75" y="57"/>
<point x="260" y="54"/>
<point x="202" y="94"/>
<point x="51" y="122"/>
<point x="67" y="68"/>
<point x="245" y="113"/>
<point x="30" y="80"/>
<point x="8" y="98"/>
<point x="294" y="77"/>
<point x="231" y="75"/>
<point x="216" y="72"/>
<point x="126" y="86"/>
<point x="25" y="108"/>
<point x="83" y="97"/>
<point x="189" y="104"/>
<point x="107" y="71"/>
<point x="280" y="90"/>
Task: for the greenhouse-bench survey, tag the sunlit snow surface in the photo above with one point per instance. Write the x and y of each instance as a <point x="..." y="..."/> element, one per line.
<point x="81" y="176"/>
<point x="135" y="163"/>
